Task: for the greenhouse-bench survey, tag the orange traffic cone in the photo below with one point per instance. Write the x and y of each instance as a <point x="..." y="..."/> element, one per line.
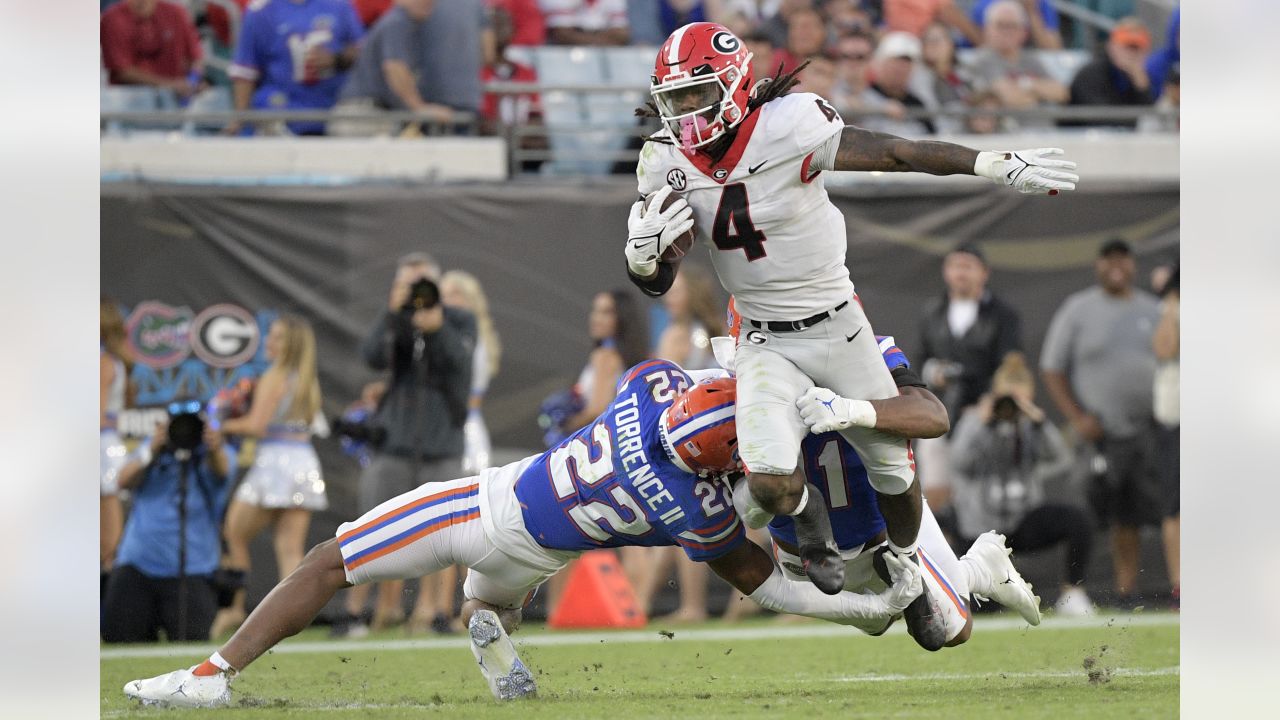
<point x="598" y="595"/>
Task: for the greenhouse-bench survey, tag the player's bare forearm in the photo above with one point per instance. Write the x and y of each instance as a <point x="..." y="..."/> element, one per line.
<point x="746" y="567"/>
<point x="902" y="514"/>
<point x="868" y="150"/>
<point x="916" y="413"/>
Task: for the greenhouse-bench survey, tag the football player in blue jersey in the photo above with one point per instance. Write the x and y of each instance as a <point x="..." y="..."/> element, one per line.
<point x="648" y="471"/>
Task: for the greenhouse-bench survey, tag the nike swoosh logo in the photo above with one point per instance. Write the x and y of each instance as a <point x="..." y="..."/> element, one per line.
<point x="752" y="170"/>
<point x="849" y="338"/>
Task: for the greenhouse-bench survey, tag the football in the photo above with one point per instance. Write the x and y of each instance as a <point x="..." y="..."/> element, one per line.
<point x="681" y="245"/>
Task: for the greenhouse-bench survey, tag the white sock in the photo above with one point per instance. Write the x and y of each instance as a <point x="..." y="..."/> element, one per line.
<point x="221" y="664"/>
<point x="978" y="574"/>
<point x="804" y="499"/>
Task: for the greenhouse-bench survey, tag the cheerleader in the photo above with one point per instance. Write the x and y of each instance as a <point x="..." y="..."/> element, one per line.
<point x="114" y="364"/>
<point x="284" y="485"/>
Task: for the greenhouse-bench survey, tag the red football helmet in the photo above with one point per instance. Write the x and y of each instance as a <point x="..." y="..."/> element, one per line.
<point x="699" y="429"/>
<point x="701" y="82"/>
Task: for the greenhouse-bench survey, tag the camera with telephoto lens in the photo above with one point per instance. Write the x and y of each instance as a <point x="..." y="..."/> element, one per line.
<point x="186" y="426"/>
<point x="423" y="295"/>
<point x="359" y="428"/>
<point x="1005" y="408"/>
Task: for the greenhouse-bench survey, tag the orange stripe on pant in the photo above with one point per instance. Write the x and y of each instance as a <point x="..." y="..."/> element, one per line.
<point x="416" y="503"/>
<point x="946" y="588"/>
<point x="432" y="528"/>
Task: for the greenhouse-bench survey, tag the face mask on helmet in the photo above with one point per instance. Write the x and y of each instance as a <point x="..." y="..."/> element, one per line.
<point x="692" y="112"/>
<point x="699" y="430"/>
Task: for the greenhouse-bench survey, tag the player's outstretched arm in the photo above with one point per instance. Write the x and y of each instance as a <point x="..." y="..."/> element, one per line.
<point x="1035" y="171"/>
<point x="749" y="569"/>
<point x="915" y="413"/>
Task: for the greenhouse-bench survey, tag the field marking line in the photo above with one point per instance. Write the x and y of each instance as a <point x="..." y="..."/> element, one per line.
<point x="1112" y="672"/>
<point x="551" y="638"/>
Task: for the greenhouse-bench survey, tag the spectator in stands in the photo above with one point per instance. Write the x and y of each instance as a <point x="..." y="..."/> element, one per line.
<point x="1167" y="410"/>
<point x="819" y="77"/>
<point x="528" y="28"/>
<point x="966" y="333"/>
<point x="964" y="336"/>
<point x="284" y="485"/>
<point x="806" y="37"/>
<point x="371" y="10"/>
<point x="165" y="565"/>
<point x="776" y="23"/>
<point x="763" y="63"/>
<point x="151" y="42"/>
<point x="585" y="22"/>
<point x="294" y="55"/>
<point x="914" y="16"/>
<point x="985" y="117"/>
<point x="1004" y="451"/>
<point x="429" y="349"/>
<point x="385" y="74"/>
<point x="895" y="59"/>
<point x="1098" y="366"/>
<point x="1165" y="59"/>
<point x="853" y="94"/>
<point x="948" y="82"/>
<point x="846" y="16"/>
<point x="1042" y="21"/>
<point x="499" y="110"/>
<point x="114" y="363"/>
<point x="457" y="41"/>
<point x="1001" y="65"/>
<point x="1118" y="76"/>
<point x="677" y="13"/>
<point x="1167" y="120"/>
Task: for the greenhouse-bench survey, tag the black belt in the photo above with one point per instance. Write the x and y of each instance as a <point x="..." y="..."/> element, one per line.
<point x="794" y="325"/>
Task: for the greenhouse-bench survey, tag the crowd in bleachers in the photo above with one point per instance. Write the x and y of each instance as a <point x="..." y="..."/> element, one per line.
<point x="909" y="67"/>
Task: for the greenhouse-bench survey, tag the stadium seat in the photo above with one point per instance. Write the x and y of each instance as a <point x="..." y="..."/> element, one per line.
<point x="565" y="113"/>
<point x="128" y="98"/>
<point x="625" y="67"/>
<point x="214" y="99"/>
<point x="1062" y="65"/>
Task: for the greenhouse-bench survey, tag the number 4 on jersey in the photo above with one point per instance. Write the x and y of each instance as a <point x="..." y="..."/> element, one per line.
<point x="733" y="228"/>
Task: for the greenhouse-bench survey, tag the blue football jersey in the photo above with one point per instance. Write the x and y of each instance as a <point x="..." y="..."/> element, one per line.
<point x="274" y="41"/>
<point x="611" y="484"/>
<point x="833" y="466"/>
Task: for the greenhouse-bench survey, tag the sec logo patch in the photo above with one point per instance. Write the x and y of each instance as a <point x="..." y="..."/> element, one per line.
<point x="677" y="179"/>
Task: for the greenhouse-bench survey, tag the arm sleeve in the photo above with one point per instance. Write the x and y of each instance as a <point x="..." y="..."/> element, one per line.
<point x="904" y="376"/>
<point x="659" y="284"/>
<point x="780" y="594"/>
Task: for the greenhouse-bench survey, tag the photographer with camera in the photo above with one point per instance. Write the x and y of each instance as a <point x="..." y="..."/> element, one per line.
<point x="165" y="565"/>
<point x="428" y="347"/>
<point x="1003" y="454"/>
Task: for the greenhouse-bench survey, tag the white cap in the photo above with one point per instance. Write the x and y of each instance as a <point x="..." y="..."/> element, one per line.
<point x="899" y="44"/>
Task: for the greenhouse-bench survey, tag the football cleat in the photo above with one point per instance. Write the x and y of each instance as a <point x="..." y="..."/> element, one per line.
<point x="924" y="617"/>
<point x="508" y="678"/>
<point x="824" y="566"/>
<point x="181" y="688"/>
<point x="1074" y="602"/>
<point x="1007" y="586"/>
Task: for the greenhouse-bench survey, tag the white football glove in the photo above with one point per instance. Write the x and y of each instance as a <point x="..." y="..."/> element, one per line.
<point x="1032" y="172"/>
<point x="907" y="585"/>
<point x="824" y="411"/>
<point x="650" y="232"/>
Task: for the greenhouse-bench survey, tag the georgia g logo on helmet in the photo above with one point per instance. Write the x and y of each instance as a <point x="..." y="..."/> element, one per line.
<point x="725" y="42"/>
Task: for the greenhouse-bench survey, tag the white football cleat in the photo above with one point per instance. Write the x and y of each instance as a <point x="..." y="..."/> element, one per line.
<point x="180" y="688"/>
<point x="1074" y="602"/>
<point x="1007" y="586"/>
<point x="508" y="678"/>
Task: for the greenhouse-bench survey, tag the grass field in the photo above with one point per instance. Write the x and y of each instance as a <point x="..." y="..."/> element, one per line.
<point x="1126" y="666"/>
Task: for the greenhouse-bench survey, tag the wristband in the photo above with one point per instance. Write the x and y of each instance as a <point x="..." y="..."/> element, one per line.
<point x="908" y="550"/>
<point x="862" y="413"/>
<point x="982" y="167"/>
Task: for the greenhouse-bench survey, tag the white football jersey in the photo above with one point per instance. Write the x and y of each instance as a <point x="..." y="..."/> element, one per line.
<point x="777" y="242"/>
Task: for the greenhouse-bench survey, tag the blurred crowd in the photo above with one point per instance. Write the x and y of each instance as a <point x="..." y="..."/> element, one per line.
<point x="212" y="477"/>
<point x="909" y="67"/>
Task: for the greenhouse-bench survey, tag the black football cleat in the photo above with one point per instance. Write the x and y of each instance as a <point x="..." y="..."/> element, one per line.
<point x="824" y="566"/>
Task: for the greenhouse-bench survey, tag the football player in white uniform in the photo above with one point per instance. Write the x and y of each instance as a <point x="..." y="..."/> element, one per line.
<point x="747" y="159"/>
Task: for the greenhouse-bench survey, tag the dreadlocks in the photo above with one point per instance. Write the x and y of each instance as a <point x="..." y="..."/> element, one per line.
<point x="766" y="89"/>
